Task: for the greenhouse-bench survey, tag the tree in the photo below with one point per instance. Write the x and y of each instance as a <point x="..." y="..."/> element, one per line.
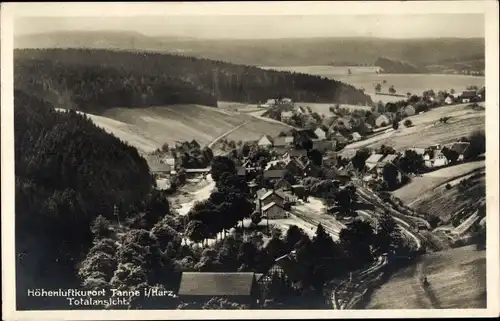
<point x="196" y="231"/>
<point x="221" y="164"/>
<point x="378" y="88"/>
<point x="315" y="156"/>
<point x="256" y="218"/>
<point x="452" y="91"/>
<point x="477" y="145"/>
<point x="356" y="241"/>
<point x="101" y="227"/>
<point x="388" y="237"/>
<point x="408" y="123"/>
<point x="395" y="124"/>
<point x="390" y="175"/>
<point x="358" y="161"/>
<point x="411" y="162"/>
<point x="292" y="237"/>
<point x="392" y="90"/>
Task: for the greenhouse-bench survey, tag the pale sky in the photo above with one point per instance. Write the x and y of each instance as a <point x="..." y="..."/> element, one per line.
<point x="270" y="26"/>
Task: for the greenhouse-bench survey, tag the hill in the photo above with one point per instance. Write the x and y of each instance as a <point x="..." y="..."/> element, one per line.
<point x="457" y="280"/>
<point x="279" y="52"/>
<point x="149" y="128"/>
<point x="427" y="129"/>
<point x="392" y="66"/>
<point x="68" y="172"/>
<point x="93" y="80"/>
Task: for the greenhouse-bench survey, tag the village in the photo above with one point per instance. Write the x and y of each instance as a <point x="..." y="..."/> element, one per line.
<point x="300" y="166"/>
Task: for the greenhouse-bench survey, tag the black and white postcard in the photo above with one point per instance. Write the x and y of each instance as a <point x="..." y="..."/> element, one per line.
<point x="245" y="160"/>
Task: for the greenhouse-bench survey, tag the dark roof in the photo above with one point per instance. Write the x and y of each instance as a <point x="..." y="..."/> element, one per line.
<point x="197" y="170"/>
<point x="283" y="181"/>
<point x="308" y="133"/>
<point x="274" y="173"/>
<point x="216" y="284"/>
<point x="297" y="152"/>
<point x="468" y="94"/>
<point x="459" y="147"/>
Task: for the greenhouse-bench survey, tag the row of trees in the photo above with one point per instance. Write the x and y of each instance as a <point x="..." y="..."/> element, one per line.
<point x="82" y="74"/>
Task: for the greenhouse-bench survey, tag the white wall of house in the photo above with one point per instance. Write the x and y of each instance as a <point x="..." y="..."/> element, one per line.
<point x="264" y="141"/>
<point x="320" y="133"/>
<point x="275" y="212"/>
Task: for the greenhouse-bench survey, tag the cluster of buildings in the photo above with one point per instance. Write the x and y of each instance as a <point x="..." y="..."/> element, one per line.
<point x="247" y="288"/>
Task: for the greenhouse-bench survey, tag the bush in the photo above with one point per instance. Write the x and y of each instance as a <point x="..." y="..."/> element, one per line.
<point x="408" y="123"/>
<point x="448" y="186"/>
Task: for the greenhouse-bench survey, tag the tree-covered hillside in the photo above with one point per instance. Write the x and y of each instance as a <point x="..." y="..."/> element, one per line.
<point x="86" y="79"/>
<point x="68" y="171"/>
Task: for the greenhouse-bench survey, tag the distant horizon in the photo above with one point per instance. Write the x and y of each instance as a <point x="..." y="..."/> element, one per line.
<point x="131" y="31"/>
<point x="246" y="27"/>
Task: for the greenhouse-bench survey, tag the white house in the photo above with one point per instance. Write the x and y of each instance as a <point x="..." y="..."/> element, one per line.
<point x="265" y="141"/>
<point x="286" y="115"/>
<point x="437" y="160"/>
<point x="448" y="100"/>
<point x="382" y="121"/>
<point x="355" y="136"/>
<point x="320" y="133"/>
<point x="373" y="160"/>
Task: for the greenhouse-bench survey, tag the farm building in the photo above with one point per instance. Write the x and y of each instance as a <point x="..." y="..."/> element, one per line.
<point x="389" y="159"/>
<point x="273" y="211"/>
<point x="160" y="169"/>
<point x="467" y="96"/>
<point x="355" y="137"/>
<point x="241" y="287"/>
<point x="460" y="148"/>
<point x="320" y="133"/>
<point x="295" y="167"/>
<point x="286" y="115"/>
<point x="382" y="121"/>
<point x="408" y="110"/>
<point x="265" y="141"/>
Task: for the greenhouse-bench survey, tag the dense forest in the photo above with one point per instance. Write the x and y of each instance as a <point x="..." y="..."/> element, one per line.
<point x="85" y="79"/>
<point x="398" y="67"/>
<point x="68" y="172"/>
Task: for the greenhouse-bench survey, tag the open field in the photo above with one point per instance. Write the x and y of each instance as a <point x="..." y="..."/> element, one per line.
<point x="429" y="182"/>
<point x="149" y="128"/>
<point x="457" y="279"/>
<point x="426" y="130"/>
<point x="365" y="77"/>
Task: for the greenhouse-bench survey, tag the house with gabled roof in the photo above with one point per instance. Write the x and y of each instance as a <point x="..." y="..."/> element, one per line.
<point x="265" y="141"/>
<point x="282" y="185"/>
<point x="265" y="197"/>
<point x="241" y="287"/>
<point x="468" y="96"/>
<point x="273" y="211"/>
<point x="460" y="148"/>
<point x="285" y="267"/>
<point x="294" y="153"/>
<point x="282" y="141"/>
<point x="320" y="133"/>
<point x="274" y="174"/>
